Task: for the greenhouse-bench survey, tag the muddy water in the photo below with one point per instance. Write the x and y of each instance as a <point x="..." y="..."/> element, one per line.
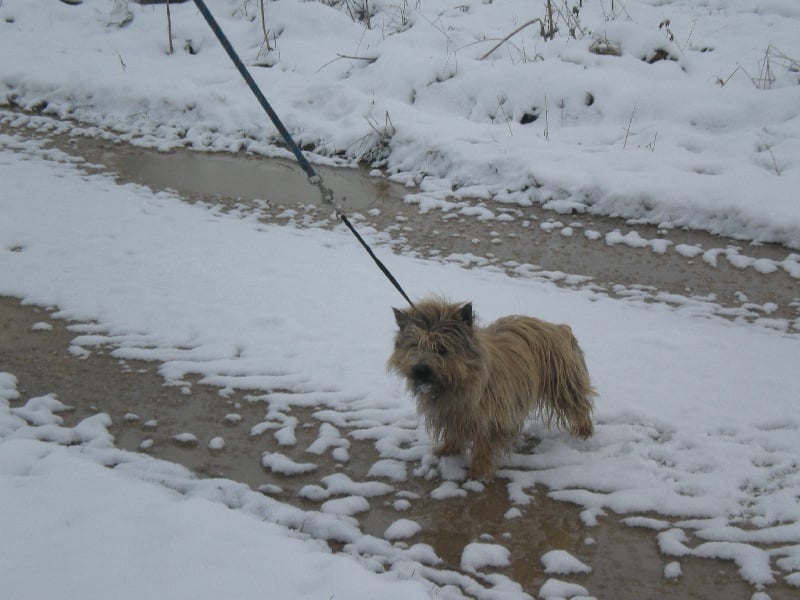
<point x="626" y="562"/>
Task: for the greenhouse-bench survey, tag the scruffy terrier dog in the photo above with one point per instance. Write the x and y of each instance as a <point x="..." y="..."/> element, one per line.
<point x="476" y="385"/>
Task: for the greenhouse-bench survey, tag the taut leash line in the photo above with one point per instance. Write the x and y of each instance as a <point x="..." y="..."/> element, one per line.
<point x="313" y="177"/>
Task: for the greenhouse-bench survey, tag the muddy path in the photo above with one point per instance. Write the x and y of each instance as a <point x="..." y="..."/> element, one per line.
<point x="690" y="270"/>
<point x="147" y="415"/>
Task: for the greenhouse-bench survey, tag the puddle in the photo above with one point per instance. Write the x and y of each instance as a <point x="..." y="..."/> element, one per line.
<point x="622" y="259"/>
<point x="241" y="178"/>
<point x="625" y="561"/>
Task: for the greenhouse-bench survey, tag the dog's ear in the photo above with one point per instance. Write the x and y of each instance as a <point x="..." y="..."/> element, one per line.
<point x="465" y="314"/>
<point x="402" y="317"/>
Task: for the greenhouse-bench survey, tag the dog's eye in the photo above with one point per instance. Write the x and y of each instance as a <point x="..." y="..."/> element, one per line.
<point x="440" y="350"/>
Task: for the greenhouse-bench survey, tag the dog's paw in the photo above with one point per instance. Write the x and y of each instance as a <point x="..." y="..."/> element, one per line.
<point x="480" y="475"/>
<point x="480" y="478"/>
<point x="584" y="430"/>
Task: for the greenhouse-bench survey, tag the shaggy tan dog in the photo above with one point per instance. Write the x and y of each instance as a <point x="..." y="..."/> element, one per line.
<point x="475" y="385"/>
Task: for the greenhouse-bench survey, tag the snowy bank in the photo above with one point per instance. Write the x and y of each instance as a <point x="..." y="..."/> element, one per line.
<point x="685" y="114"/>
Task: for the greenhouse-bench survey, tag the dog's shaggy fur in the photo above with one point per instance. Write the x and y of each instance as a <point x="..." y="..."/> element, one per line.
<point x="475" y="385"/>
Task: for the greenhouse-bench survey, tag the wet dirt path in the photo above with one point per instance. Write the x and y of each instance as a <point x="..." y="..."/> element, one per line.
<point x="147" y="415"/>
<point x="689" y="269"/>
<point x="625" y="561"/>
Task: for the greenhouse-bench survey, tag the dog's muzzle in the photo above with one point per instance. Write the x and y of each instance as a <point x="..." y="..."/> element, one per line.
<point x="422" y="374"/>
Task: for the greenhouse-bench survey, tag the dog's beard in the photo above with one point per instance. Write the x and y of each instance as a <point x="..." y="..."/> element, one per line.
<point x="423" y="388"/>
<point x="427" y="389"/>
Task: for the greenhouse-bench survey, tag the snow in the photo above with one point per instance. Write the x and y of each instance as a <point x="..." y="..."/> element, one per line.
<point x="402" y="529"/>
<point x="186" y="438"/>
<point x="348" y="506"/>
<point x="478" y="555"/>
<point x="697" y="434"/>
<point x="562" y="562"/>
<point x="673" y="570"/>
<point x="113" y="531"/>
<point x="553" y="589"/>
<point x="389" y="468"/>
<point x="282" y="464"/>
<point x="216" y="443"/>
<point x="448" y="489"/>
<point x="695" y="123"/>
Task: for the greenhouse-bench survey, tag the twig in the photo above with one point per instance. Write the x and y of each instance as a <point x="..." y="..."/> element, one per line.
<point x="778" y="170"/>
<point x="264" y="25"/>
<point x="515" y="32"/>
<point x="628" y="129"/>
<point x="652" y="145"/>
<point x="546" y="120"/>
<point x="548" y="15"/>
<point x="369" y="59"/>
<point x="169" y="29"/>
<point x="723" y="82"/>
<point x="502" y="110"/>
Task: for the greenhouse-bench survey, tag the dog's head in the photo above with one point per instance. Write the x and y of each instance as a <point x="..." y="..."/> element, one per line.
<point x="435" y="347"/>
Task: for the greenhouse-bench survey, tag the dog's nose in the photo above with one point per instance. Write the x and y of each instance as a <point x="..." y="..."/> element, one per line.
<point x="422" y="373"/>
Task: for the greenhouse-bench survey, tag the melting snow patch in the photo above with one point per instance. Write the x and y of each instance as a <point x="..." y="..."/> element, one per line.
<point x="632" y="239"/>
<point x="562" y="562"/>
<point x="589" y="516"/>
<point x="688" y="251"/>
<point x="8" y="386"/>
<point x="554" y="589"/>
<point x="448" y="489"/>
<point x="673" y="543"/>
<point x="340" y="484"/>
<point x="672" y="570"/>
<point x="186" y="438"/>
<point x="646" y="522"/>
<point x="79" y="352"/>
<point x="401" y="505"/>
<point x="402" y="529"/>
<point x="753" y="563"/>
<point x="477" y="555"/>
<point x="314" y="493"/>
<point x="280" y="463"/>
<point x="396" y="470"/>
<point x="216" y="443"/>
<point x="347" y="506"/>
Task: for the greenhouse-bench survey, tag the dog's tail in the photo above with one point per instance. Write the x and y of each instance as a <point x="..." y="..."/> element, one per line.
<point x="566" y="392"/>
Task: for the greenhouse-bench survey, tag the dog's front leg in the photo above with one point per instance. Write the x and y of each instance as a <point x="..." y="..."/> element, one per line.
<point x="483" y="460"/>
<point x="448" y="447"/>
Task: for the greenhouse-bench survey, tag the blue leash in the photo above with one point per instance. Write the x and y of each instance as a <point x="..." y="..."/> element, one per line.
<point x="313" y="177"/>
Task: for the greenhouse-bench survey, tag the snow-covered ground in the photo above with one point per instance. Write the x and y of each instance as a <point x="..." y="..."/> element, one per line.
<point x="678" y="112"/>
<point x="698" y="437"/>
